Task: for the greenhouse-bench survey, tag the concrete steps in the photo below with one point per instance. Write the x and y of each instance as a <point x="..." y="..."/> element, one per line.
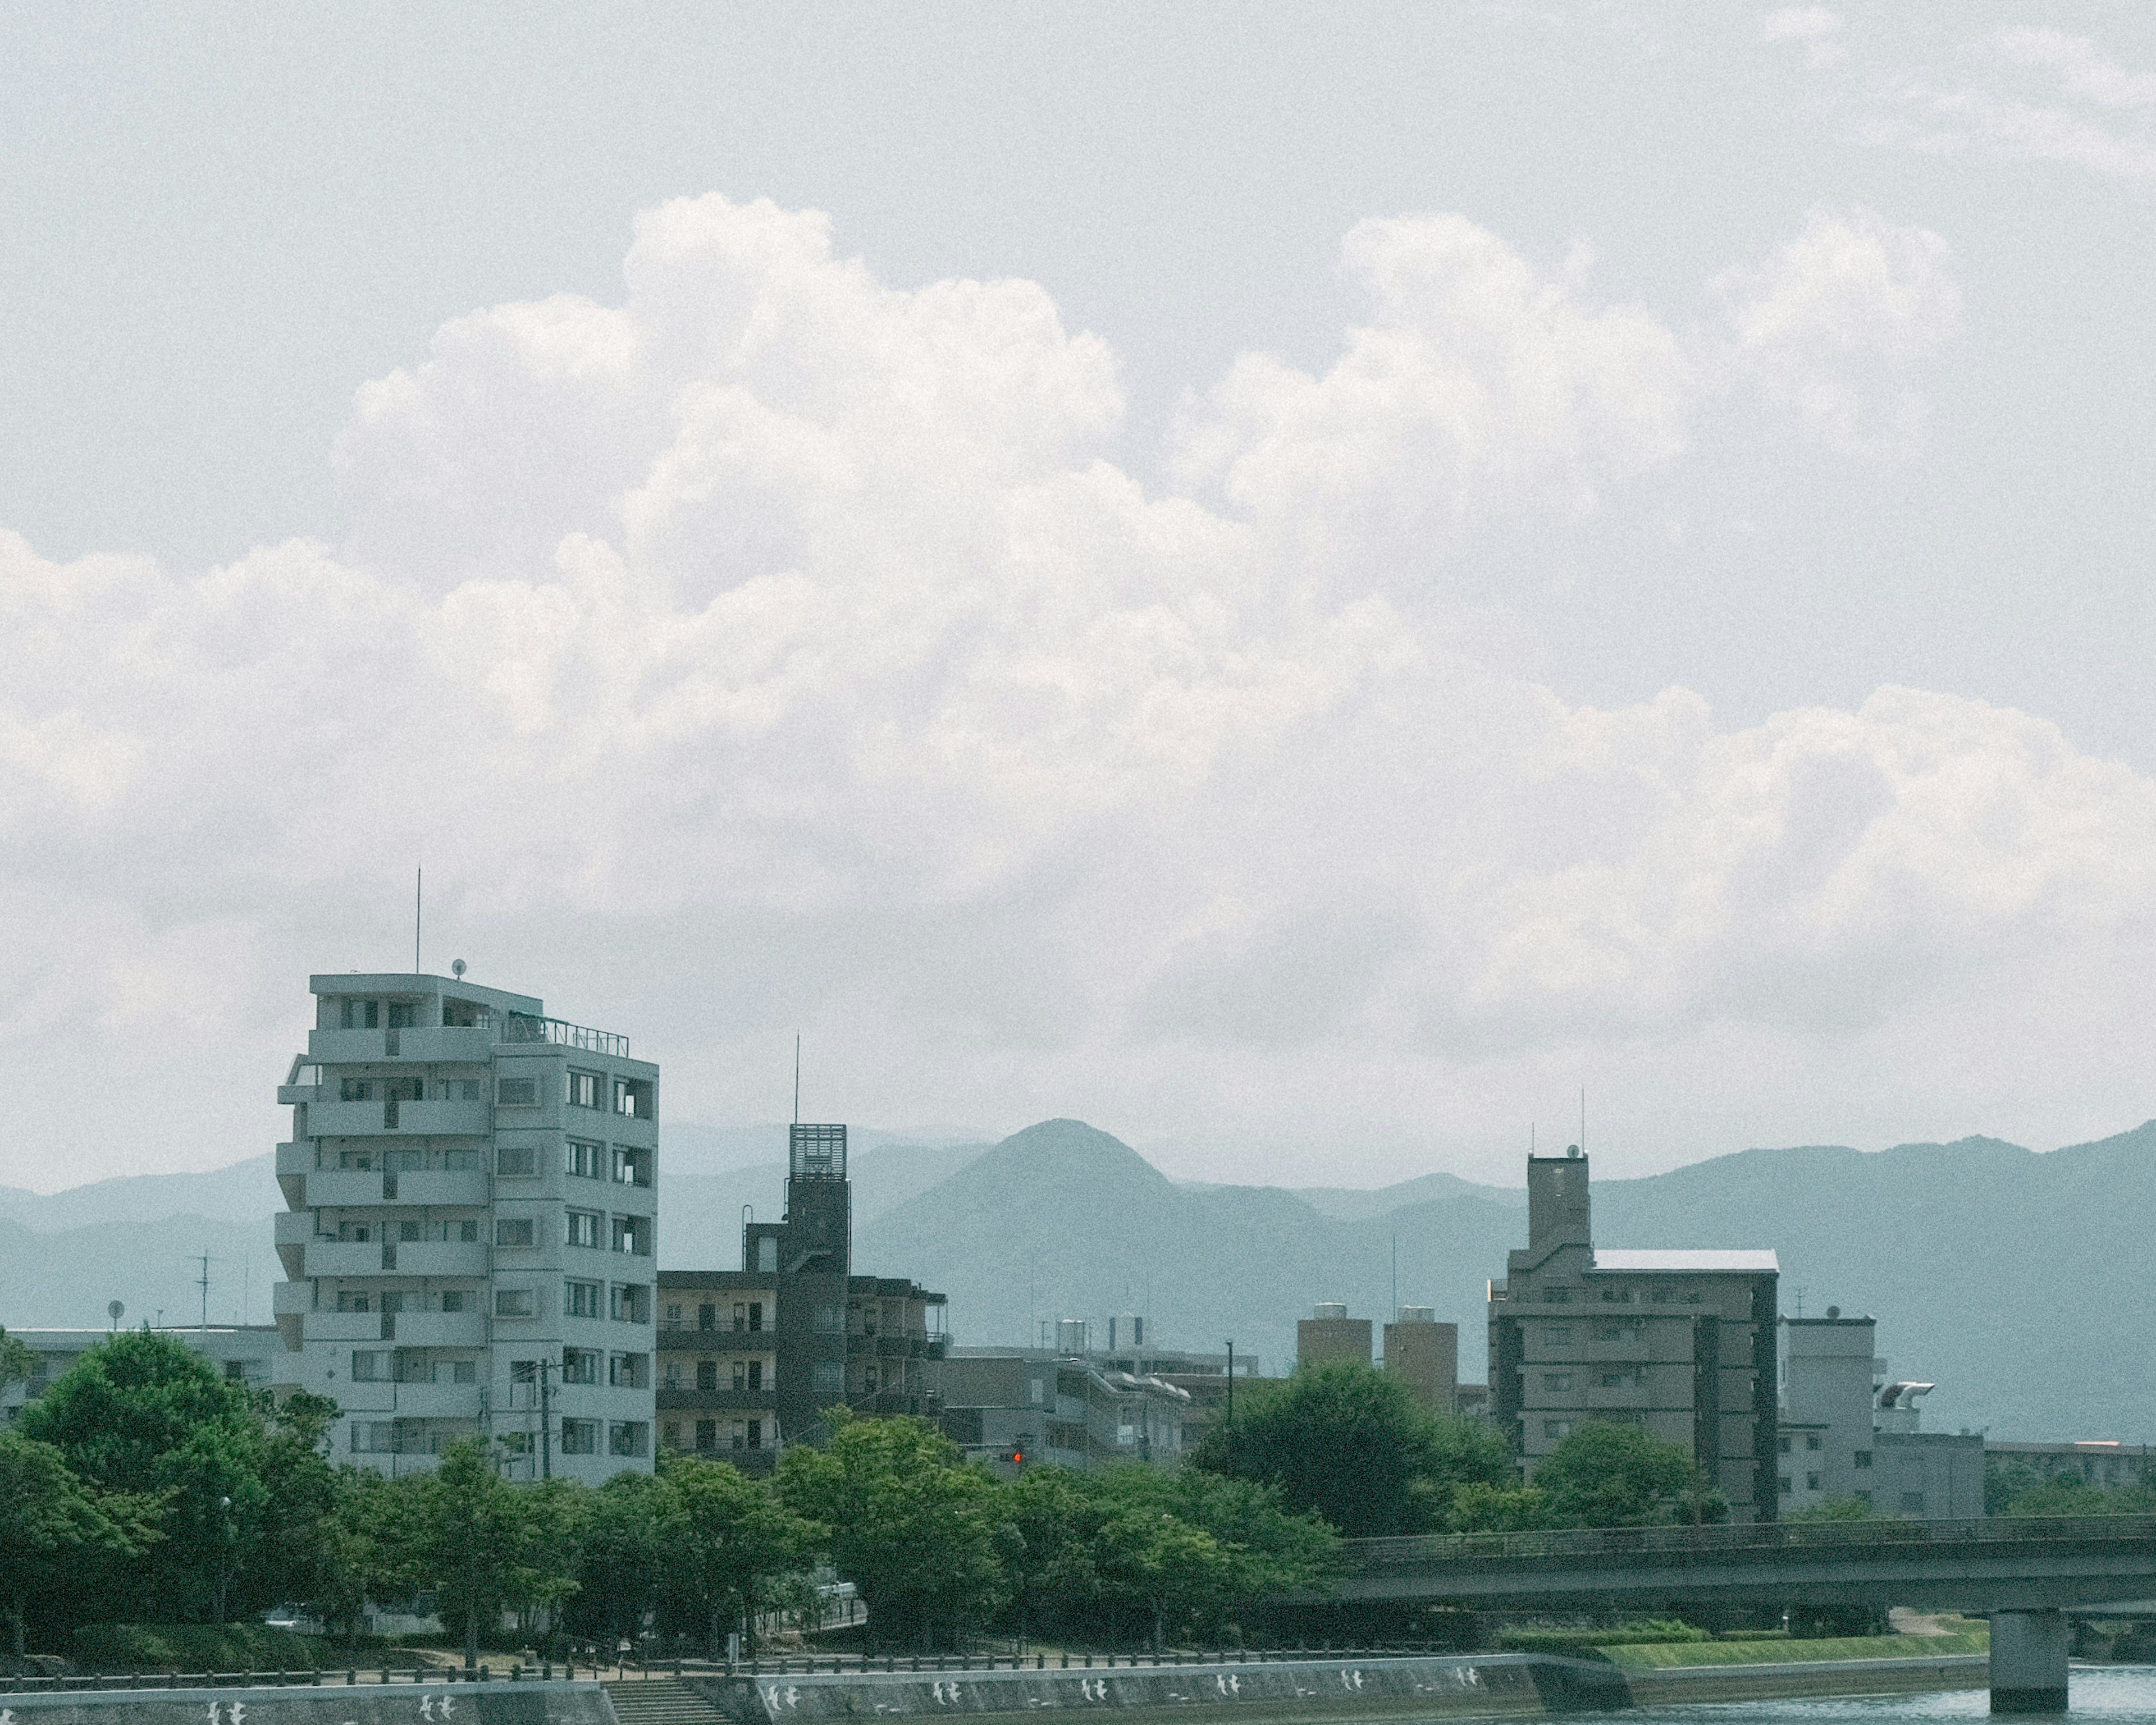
<point x="660" y="1700"/>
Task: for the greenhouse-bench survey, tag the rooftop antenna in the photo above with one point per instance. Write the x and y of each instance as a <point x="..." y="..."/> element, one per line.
<point x="418" y="902"/>
<point x="1583" y="1120"/>
<point x="202" y="1282"/>
<point x="796" y="1078"/>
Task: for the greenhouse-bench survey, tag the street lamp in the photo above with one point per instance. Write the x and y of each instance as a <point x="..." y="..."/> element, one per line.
<point x="224" y="1552"/>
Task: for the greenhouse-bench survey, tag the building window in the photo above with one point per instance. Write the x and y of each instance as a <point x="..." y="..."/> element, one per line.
<point x="1811" y="1482"/>
<point x="670" y="1375"/>
<point x="516" y="1092"/>
<point x="1556" y="1335"/>
<point x="524" y="1371"/>
<point x="373" y="1437"/>
<point x="583" y="1088"/>
<point x="453" y="1300"/>
<point x="628" y="1437"/>
<point x="628" y="1371"/>
<point x="1786" y="1487"/>
<point x="830" y="1319"/>
<point x="369" y="1366"/>
<point x="1627" y="1377"/>
<point x="633" y="1235"/>
<point x="632" y="1304"/>
<point x="362" y="1014"/>
<point x="755" y="1434"/>
<point x="1557" y="1380"/>
<point x="1557" y="1296"/>
<point x="673" y="1317"/>
<point x="1811" y="1441"/>
<point x="580" y="1299"/>
<point x="767" y="1254"/>
<point x="1556" y="1428"/>
<point x="707" y="1434"/>
<point x="707" y="1316"/>
<point x="754" y="1316"/>
<point x="1863" y="1458"/>
<point x="756" y="1374"/>
<point x="740" y="1374"/>
<point x="1785" y="1443"/>
<point x="513" y="1303"/>
<point x="672" y="1431"/>
<point x="587" y="1162"/>
<point x="464" y="1371"/>
<point x="1035" y="1391"/>
<point x="707" y="1374"/>
<point x="516" y="1160"/>
<point x="631" y="1168"/>
<point x="580" y="1365"/>
<point x="829" y="1378"/>
<point x="583" y="1228"/>
<point x="515" y="1231"/>
<point x="580" y="1437"/>
<point x="1912" y="1503"/>
<point x="632" y="1097"/>
<point x="354" y="1090"/>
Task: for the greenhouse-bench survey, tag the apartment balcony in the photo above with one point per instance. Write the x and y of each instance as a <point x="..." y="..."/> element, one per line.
<point x="434" y="1257"/>
<point x="437" y="1045"/>
<point x="288" y="1095"/>
<point x="441" y="1329"/>
<point x="422" y="1401"/>
<point x="718" y="1401"/>
<point x="335" y="1188"/>
<point x="339" y="1257"/>
<point x="347" y="1326"/>
<point x="444" y="1189"/>
<point x="354" y="1120"/>
<point x="290" y="1299"/>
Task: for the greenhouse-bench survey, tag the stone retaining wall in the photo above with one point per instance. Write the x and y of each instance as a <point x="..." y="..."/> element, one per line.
<point x="536" y="1704"/>
<point x="1478" y="1685"/>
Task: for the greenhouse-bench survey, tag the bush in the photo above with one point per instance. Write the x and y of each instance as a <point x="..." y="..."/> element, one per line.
<point x="194" y="1647"/>
<point x="1655" y="1631"/>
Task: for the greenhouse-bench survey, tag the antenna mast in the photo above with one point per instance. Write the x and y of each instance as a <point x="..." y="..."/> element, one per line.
<point x="796" y="1078"/>
<point x="418" y="904"/>
<point x="1583" y="1120"/>
<point x="202" y="1282"/>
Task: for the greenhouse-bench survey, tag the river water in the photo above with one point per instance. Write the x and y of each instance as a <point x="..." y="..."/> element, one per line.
<point x="2115" y="1694"/>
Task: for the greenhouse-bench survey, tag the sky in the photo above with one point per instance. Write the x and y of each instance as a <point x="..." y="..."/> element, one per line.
<point x="1300" y="584"/>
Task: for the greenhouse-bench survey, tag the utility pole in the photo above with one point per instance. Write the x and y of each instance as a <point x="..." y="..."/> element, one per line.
<point x="202" y="1282"/>
<point x="1231" y="1398"/>
<point x="545" y="1421"/>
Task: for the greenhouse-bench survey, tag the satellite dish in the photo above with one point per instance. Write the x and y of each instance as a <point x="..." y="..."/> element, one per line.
<point x="457" y="970"/>
<point x="114" y="1310"/>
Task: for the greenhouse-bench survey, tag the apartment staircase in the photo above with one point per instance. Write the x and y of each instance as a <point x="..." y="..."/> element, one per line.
<point x="660" y="1700"/>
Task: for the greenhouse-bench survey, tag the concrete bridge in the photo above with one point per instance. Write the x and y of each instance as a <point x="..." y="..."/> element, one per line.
<point x="2027" y="1575"/>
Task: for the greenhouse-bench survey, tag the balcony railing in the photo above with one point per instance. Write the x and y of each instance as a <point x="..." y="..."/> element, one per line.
<point x="522" y="1027"/>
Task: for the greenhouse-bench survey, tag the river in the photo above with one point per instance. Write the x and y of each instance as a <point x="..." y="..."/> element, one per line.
<point x="2116" y="1694"/>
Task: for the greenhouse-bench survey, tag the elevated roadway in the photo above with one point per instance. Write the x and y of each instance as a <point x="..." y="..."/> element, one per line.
<point x="2027" y="1575"/>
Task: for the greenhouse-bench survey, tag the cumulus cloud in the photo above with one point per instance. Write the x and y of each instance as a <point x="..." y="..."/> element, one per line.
<point x="777" y="646"/>
<point x="1817" y="28"/>
<point x="1836" y="322"/>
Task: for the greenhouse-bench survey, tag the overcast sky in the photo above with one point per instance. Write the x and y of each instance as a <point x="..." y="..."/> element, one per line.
<point x="1295" y="582"/>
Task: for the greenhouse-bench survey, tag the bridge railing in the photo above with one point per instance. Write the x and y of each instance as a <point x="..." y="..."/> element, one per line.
<point x="1424" y="1548"/>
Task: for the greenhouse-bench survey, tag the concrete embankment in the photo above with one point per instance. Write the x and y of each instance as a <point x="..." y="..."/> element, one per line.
<point x="332" y="1703"/>
<point x="1674" y="1684"/>
<point x="1279" y="1693"/>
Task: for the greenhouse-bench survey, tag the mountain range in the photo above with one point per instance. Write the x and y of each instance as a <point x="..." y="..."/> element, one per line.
<point x="1983" y="1261"/>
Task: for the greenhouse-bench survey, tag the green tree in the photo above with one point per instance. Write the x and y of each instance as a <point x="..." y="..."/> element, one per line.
<point x="1480" y="1507"/>
<point x="914" y="1530"/>
<point x="370" y="1546"/>
<point x="50" y="1521"/>
<point x="1851" y="1508"/>
<point x="145" y="1414"/>
<point x="1609" y="1474"/>
<point x="724" y="1542"/>
<point x="486" y="1546"/>
<point x="619" y="1562"/>
<point x="16" y="1361"/>
<point x="1157" y="1560"/>
<point x="1353" y="1446"/>
<point x="294" y="1554"/>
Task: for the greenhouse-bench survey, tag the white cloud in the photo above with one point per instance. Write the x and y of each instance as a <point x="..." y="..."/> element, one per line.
<point x="1817" y="28"/>
<point x="778" y="647"/>
<point x="1836" y="321"/>
<point x="2035" y="94"/>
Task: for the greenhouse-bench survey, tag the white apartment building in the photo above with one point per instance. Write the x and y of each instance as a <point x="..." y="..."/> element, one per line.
<point x="471" y="1234"/>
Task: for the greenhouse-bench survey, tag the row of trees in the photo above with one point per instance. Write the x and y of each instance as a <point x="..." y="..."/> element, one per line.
<point x="1352" y="1446"/>
<point x="142" y="1485"/>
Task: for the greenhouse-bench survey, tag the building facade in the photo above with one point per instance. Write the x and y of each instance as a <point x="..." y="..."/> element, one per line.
<point x="1851" y="1430"/>
<point x="1425" y="1355"/>
<point x="1328" y="1333"/>
<point x="252" y="1354"/>
<point x="1015" y="1408"/>
<point x="750" y="1358"/>
<point x="1681" y="1343"/>
<point x="472" y="1192"/>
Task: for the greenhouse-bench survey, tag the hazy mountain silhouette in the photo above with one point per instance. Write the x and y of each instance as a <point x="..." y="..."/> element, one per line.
<point x="2014" y="1280"/>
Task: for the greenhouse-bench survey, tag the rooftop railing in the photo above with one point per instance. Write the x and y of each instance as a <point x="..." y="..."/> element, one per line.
<point x="1421" y="1548"/>
<point x="522" y="1027"/>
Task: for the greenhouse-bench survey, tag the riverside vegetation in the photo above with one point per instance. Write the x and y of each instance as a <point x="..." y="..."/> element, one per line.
<point x="143" y="1487"/>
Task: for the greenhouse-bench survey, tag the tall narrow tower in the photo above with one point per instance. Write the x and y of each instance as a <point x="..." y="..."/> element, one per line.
<point x="811" y="1253"/>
